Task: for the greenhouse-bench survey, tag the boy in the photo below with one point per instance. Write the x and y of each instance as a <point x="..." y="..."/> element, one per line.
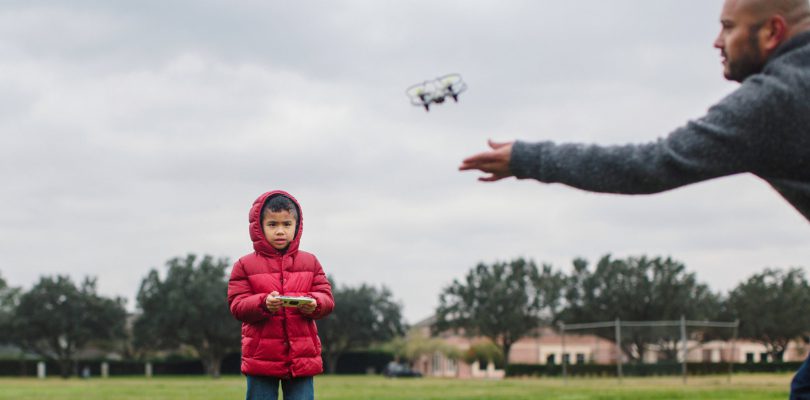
<point x="279" y="344"/>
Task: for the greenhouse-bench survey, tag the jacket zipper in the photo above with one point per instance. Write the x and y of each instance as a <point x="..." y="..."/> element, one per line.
<point x="284" y="324"/>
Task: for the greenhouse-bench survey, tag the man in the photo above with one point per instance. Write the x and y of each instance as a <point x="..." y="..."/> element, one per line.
<point x="762" y="128"/>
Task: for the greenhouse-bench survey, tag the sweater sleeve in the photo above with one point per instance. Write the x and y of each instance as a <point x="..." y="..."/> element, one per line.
<point x="321" y="291"/>
<point x="736" y="135"/>
<point x="245" y="305"/>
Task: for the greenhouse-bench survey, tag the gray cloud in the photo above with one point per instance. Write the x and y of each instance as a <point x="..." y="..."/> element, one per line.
<point x="134" y="132"/>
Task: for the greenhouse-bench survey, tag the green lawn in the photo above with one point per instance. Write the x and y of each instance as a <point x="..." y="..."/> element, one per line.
<point x="759" y="386"/>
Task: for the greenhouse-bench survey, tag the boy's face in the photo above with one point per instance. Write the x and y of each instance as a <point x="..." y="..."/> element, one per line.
<point x="279" y="228"/>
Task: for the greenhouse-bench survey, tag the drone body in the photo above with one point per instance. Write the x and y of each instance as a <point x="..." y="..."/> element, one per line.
<point x="436" y="91"/>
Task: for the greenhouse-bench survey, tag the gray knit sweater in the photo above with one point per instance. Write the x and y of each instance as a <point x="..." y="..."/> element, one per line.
<point x="762" y="128"/>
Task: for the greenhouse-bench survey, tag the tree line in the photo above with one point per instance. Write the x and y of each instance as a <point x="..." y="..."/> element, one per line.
<point x="506" y="301"/>
<point x="184" y="310"/>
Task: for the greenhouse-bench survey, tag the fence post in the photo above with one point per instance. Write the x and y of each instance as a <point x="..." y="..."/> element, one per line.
<point x="733" y="349"/>
<point x="105" y="369"/>
<point x="685" y="348"/>
<point x="148" y="370"/>
<point x="41" y="370"/>
<point x="564" y="360"/>
<point x="619" y="349"/>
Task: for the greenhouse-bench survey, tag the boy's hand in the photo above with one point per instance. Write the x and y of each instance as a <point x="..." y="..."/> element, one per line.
<point x="273" y="304"/>
<point x="308" y="308"/>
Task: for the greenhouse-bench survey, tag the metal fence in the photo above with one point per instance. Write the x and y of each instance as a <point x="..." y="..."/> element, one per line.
<point x="617" y="324"/>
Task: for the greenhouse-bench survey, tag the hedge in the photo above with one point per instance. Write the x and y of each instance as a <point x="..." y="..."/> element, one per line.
<point x="357" y="362"/>
<point x="660" y="369"/>
<point x="360" y="362"/>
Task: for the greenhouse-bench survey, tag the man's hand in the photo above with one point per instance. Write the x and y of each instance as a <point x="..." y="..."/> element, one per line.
<point x="273" y="304"/>
<point x="495" y="162"/>
<point x="308" y="308"/>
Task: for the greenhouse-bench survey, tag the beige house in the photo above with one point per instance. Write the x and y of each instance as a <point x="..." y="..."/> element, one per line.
<point x="545" y="346"/>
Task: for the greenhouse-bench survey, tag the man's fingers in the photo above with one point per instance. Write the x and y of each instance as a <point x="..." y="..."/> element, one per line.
<point x="497" y="145"/>
<point x="468" y="166"/>
<point x="497" y="155"/>
<point x="487" y="156"/>
<point x="480" y="161"/>
<point x="492" y="167"/>
<point x="491" y="178"/>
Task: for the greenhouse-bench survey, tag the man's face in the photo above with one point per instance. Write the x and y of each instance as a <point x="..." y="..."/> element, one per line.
<point x="279" y="228"/>
<point x="738" y="41"/>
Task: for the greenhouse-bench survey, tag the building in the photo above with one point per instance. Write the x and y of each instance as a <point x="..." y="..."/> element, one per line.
<point x="545" y="346"/>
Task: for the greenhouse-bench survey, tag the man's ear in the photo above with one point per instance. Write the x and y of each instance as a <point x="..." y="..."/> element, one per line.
<point x="774" y="32"/>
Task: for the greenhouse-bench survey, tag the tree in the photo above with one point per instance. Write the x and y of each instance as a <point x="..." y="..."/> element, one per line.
<point x="416" y="344"/>
<point x="56" y="319"/>
<point x="637" y="289"/>
<point x="188" y="308"/>
<point x="9" y="298"/>
<point x="363" y="316"/>
<point x="772" y="308"/>
<point x="484" y="352"/>
<point x="503" y="302"/>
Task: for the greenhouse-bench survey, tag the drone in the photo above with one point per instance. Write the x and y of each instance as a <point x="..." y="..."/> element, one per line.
<point x="436" y="91"/>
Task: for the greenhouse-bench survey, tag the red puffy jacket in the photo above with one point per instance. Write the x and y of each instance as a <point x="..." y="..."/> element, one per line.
<point x="283" y="344"/>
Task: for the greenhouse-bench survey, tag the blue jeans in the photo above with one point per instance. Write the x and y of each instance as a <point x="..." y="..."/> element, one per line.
<point x="800" y="387"/>
<point x="266" y="388"/>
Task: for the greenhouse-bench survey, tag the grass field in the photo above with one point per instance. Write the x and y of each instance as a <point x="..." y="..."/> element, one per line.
<point x="759" y="386"/>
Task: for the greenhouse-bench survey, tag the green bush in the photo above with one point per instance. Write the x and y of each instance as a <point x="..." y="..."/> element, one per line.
<point x="661" y="369"/>
<point x="357" y="362"/>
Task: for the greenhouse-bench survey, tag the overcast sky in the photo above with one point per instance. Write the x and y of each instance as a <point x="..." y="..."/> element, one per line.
<point x="135" y="132"/>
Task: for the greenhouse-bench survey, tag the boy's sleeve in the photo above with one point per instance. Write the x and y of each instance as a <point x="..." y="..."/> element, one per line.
<point x="245" y="305"/>
<point x="321" y="291"/>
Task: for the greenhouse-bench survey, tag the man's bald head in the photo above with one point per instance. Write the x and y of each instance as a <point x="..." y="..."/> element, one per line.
<point x="794" y="11"/>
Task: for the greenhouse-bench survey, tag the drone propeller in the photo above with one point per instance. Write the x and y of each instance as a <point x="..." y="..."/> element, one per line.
<point x="453" y="84"/>
<point x="449" y="79"/>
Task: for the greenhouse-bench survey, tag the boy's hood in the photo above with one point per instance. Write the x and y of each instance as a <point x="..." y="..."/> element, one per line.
<point x="260" y="244"/>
